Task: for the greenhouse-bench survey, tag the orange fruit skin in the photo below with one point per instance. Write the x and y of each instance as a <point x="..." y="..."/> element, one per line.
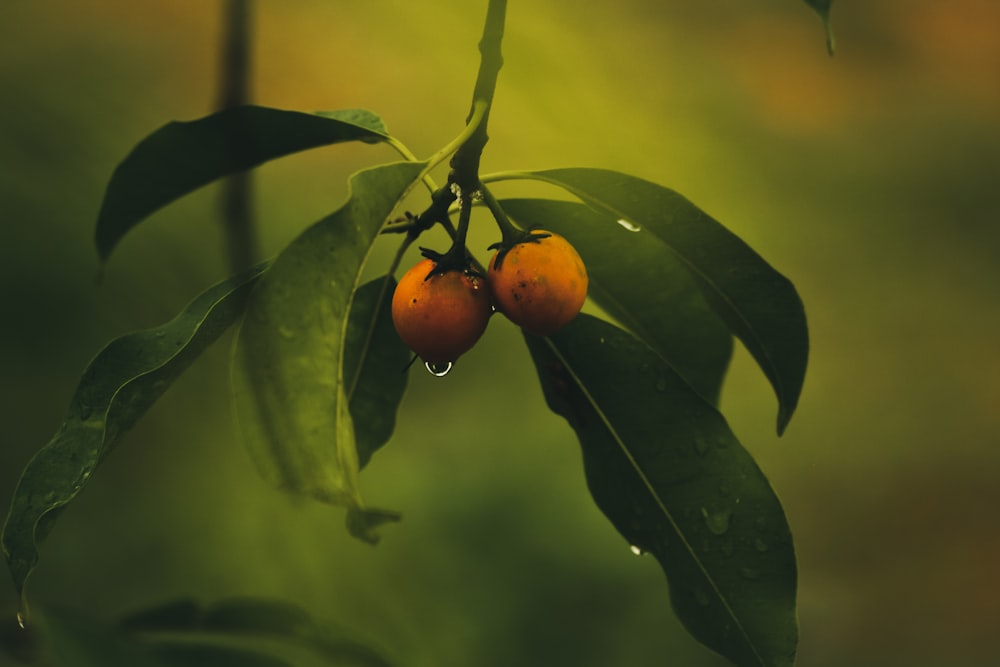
<point x="539" y="286"/>
<point x="442" y="317"/>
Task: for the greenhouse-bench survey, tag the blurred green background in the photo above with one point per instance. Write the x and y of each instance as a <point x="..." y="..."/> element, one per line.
<point x="870" y="179"/>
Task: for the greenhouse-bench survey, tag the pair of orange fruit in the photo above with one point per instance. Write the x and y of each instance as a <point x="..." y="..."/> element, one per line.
<point x="539" y="285"/>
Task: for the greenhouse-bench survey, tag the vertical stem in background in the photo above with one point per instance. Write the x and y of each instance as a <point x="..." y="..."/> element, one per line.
<point x="234" y="90"/>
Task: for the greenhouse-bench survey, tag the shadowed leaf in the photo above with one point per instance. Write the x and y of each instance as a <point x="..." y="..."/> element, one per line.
<point x="643" y="285"/>
<point x="181" y="157"/>
<point x="288" y="371"/>
<point x="664" y="467"/>
<point x="117" y="388"/>
<point x="759" y="305"/>
<point x="375" y="362"/>
<point x="177" y="624"/>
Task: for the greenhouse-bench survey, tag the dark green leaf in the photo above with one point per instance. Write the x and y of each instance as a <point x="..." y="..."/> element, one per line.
<point x="760" y="306"/>
<point x="70" y="639"/>
<point x="117" y="388"/>
<point x="183" y="156"/>
<point x="375" y="361"/>
<point x="643" y="285"/>
<point x="249" y="619"/>
<point x="174" y="654"/>
<point x="289" y="380"/>
<point x="822" y="8"/>
<point x="664" y="467"/>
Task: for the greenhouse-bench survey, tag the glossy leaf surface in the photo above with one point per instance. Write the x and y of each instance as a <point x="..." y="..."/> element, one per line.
<point x="664" y="467"/>
<point x="643" y="285"/>
<point x="117" y="388"/>
<point x="760" y="306"/>
<point x="181" y="157"/>
<point x="288" y="370"/>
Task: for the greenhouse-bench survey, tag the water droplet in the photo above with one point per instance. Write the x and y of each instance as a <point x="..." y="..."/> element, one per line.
<point x="438" y="370"/>
<point x="760" y="545"/>
<point x="749" y="573"/>
<point x="286" y="332"/>
<point x="661" y="384"/>
<point x="701" y="446"/>
<point x="629" y="225"/>
<point x="701" y="597"/>
<point x="22" y="619"/>
<point x="636" y="550"/>
<point x="717" y="522"/>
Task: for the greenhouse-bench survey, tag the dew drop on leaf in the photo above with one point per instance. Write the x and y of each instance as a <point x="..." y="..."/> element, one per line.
<point x="438" y="370"/>
<point x="717" y="522"/>
<point x="701" y="597"/>
<point x="22" y="619"/>
<point x="636" y="550"/>
<point x="629" y="225"/>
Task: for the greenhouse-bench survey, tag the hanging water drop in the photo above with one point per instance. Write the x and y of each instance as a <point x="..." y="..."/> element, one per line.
<point x="22" y="619"/>
<point x="438" y="369"/>
<point x="636" y="550"/>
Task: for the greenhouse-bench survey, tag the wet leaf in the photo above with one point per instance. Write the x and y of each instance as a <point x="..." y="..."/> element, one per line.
<point x="759" y="305"/>
<point x="664" y="467"/>
<point x="117" y="388"/>
<point x="822" y="8"/>
<point x="637" y="280"/>
<point x="288" y="371"/>
<point x="375" y="362"/>
<point x="181" y="157"/>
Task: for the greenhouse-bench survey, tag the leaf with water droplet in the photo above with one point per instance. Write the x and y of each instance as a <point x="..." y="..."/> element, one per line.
<point x="122" y="382"/>
<point x="759" y="305"/>
<point x="181" y="157"/>
<point x="291" y="398"/>
<point x="705" y="553"/>
<point x="643" y="285"/>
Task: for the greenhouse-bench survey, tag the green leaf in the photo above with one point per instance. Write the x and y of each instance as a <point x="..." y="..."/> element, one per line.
<point x="375" y="362"/>
<point x="643" y="285"/>
<point x="249" y="619"/>
<point x="117" y="388"/>
<point x="73" y="640"/>
<point x="181" y="157"/>
<point x="822" y="8"/>
<point x="288" y="373"/>
<point x="759" y="305"/>
<point x="363" y="118"/>
<point x="664" y="467"/>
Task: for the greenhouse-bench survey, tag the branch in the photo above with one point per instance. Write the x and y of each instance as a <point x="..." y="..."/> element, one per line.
<point x="465" y="163"/>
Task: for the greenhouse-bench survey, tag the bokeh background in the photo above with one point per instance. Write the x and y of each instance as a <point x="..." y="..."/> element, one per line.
<point x="870" y="179"/>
